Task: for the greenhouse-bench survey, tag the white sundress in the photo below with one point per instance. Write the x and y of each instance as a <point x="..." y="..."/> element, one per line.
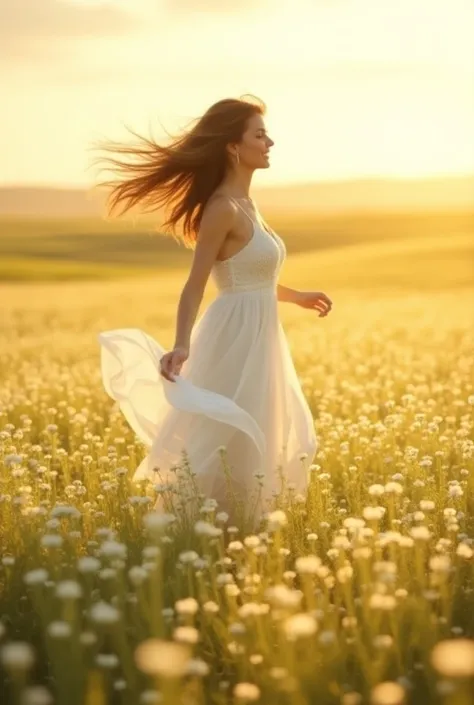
<point x="238" y="389"/>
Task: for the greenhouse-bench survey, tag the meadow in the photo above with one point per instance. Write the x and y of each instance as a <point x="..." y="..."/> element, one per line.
<point x="360" y="593"/>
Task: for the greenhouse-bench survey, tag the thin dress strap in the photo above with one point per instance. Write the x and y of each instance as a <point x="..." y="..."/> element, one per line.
<point x="242" y="209"/>
<point x="258" y="220"/>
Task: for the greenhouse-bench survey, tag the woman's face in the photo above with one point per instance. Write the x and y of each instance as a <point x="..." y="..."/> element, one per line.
<point x="255" y="145"/>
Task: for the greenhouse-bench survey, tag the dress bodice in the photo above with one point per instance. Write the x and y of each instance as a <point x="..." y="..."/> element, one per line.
<point x="256" y="265"/>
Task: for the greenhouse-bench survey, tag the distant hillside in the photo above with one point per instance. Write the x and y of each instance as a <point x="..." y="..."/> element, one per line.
<point x="48" y="202"/>
<point x="376" y="195"/>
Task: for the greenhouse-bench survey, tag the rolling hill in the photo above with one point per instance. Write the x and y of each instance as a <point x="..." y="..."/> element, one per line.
<point x="319" y="198"/>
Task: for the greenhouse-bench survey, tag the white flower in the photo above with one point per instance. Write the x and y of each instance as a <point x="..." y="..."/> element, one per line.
<point x="388" y="693"/>
<point x="224" y="578"/>
<point x="299" y="626"/>
<point x="327" y="637"/>
<point x="36" y="577"/>
<point x="162" y="658"/>
<point x="464" y="551"/>
<point x="52" y="541"/>
<point x="349" y="622"/>
<point x="88" y="564"/>
<point x="209" y="505"/>
<point x="420" y="533"/>
<point x="113" y="549"/>
<point x="283" y="596"/>
<point x="252" y="541"/>
<point x="197" y="667"/>
<point x="248" y="692"/>
<point x="187" y="606"/>
<point x="204" y="528"/>
<point x="235" y="546"/>
<point x="211" y="607"/>
<point x="107" y="661"/>
<point x="12" y="459"/>
<point x="17" y="656"/>
<point x="36" y="695"/>
<point x="103" y="613"/>
<point x="276" y="520"/>
<point x="455" y="491"/>
<point x="186" y="635"/>
<point x="308" y="564"/>
<point x="68" y="590"/>
<point x="364" y="552"/>
<point x="137" y="575"/>
<point x="158" y="522"/>
<point x="237" y="628"/>
<point x="440" y="564"/>
<point x="378" y="601"/>
<point x="151" y="552"/>
<point x="65" y="510"/>
<point x="383" y="641"/>
<point x="59" y="629"/>
<point x="454" y="658"/>
<point x="376" y="490"/>
<point x="386" y="571"/>
<point x="188" y="556"/>
<point x="353" y="523"/>
<point x="393" y="488"/>
<point x="256" y="659"/>
<point x="341" y="542"/>
<point x="373" y="513"/>
<point x="88" y="638"/>
<point x="253" y="609"/>
<point x="345" y="573"/>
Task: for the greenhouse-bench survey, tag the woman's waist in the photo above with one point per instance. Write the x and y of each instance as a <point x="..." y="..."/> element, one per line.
<point x="268" y="288"/>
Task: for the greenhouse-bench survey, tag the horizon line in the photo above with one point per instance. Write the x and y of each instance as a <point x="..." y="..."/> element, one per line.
<point x="69" y="186"/>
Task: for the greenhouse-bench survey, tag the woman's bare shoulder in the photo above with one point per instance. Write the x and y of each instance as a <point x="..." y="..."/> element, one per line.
<point x="220" y="204"/>
<point x="219" y="213"/>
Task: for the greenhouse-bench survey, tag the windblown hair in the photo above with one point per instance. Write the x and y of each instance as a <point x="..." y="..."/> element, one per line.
<point x="183" y="173"/>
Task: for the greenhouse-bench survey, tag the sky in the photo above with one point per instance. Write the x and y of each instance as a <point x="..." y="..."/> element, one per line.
<point x="353" y="88"/>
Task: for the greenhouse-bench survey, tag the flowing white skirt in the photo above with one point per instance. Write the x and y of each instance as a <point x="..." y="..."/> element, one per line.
<point x="238" y="390"/>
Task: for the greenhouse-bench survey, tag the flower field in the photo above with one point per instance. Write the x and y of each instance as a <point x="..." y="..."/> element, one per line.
<point x="360" y="593"/>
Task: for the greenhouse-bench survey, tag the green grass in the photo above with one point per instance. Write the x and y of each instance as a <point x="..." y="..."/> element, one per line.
<point x="90" y="249"/>
<point x="16" y="269"/>
<point x="425" y="263"/>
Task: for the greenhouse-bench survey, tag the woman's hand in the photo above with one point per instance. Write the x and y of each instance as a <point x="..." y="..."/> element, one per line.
<point x="171" y="362"/>
<point x="314" y="300"/>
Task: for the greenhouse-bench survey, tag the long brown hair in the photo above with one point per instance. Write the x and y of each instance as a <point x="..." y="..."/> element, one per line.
<point x="184" y="173"/>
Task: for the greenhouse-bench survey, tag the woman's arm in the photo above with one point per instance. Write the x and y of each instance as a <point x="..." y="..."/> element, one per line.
<point x="218" y="218"/>
<point x="286" y="294"/>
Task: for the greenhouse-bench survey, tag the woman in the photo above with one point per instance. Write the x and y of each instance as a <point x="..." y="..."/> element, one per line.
<point x="226" y="398"/>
